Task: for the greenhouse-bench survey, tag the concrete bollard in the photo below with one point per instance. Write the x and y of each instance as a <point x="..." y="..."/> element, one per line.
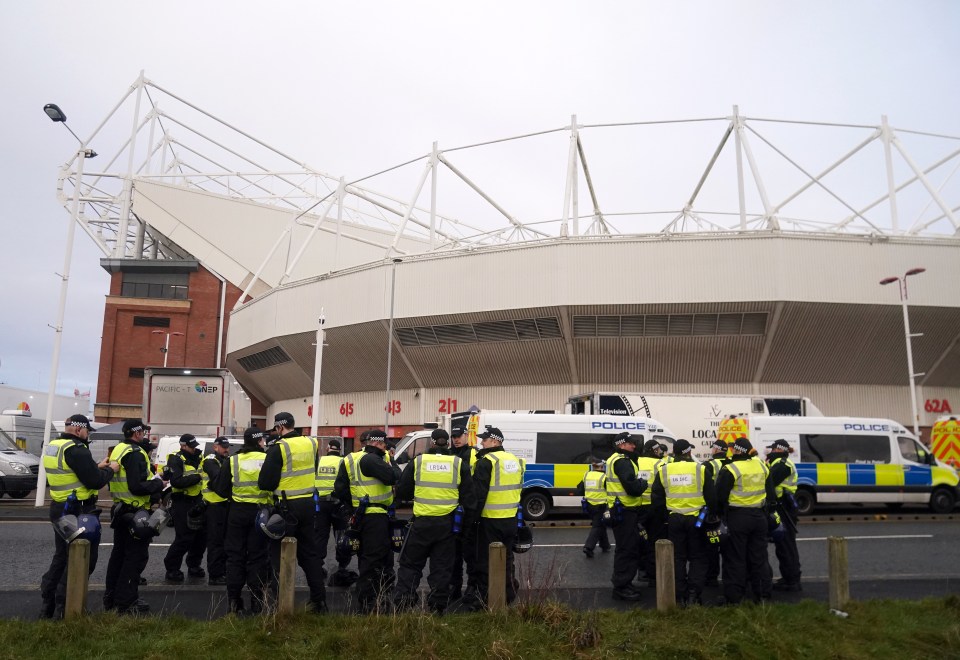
<point x="78" y="576"/>
<point x="497" y="578"/>
<point x="287" y="578"/>
<point x="839" y="576"/>
<point x="666" y="581"/>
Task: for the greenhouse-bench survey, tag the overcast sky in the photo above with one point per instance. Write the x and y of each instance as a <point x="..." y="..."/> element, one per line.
<point x="351" y="87"/>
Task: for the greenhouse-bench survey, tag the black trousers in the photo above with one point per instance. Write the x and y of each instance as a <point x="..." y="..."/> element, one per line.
<point x="53" y="584"/>
<point x="327" y="520"/>
<point x="464" y="555"/>
<point x="626" y="556"/>
<point x="216" y="529"/>
<point x="689" y="547"/>
<point x="189" y="542"/>
<point x="598" y="530"/>
<point x="713" y="561"/>
<point x="493" y="530"/>
<point x="429" y="537"/>
<point x="788" y="555"/>
<point x="127" y="561"/>
<point x="745" y="553"/>
<point x="245" y="548"/>
<point x="654" y="523"/>
<point x="375" y="559"/>
<point x="307" y="556"/>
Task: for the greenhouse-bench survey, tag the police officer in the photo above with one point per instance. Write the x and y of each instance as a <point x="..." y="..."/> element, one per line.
<point x="290" y="470"/>
<point x="438" y="483"/>
<point x="498" y="480"/>
<point x="593" y="488"/>
<point x="70" y="470"/>
<point x="184" y="474"/>
<point x="742" y="495"/>
<point x="245" y="546"/>
<point x="134" y="487"/>
<point x="718" y="459"/>
<point x="329" y="515"/>
<point x="465" y="543"/>
<point x="783" y="478"/>
<point x="215" y="512"/>
<point x="624" y="485"/>
<point x="683" y="490"/>
<point x="370" y="473"/>
<point x="652" y="521"/>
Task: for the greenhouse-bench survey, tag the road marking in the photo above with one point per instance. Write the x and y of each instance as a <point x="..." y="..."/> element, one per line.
<point x="152" y="545"/>
<point x="870" y="538"/>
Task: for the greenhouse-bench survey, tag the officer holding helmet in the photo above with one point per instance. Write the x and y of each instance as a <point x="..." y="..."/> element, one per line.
<point x="290" y="471"/>
<point x="783" y="478"/>
<point x="132" y="490"/>
<point x="245" y="545"/>
<point x="329" y="516"/>
<point x="498" y="480"/>
<point x="624" y="496"/>
<point x="365" y="482"/>
<point x="718" y="459"/>
<point x="71" y="471"/>
<point x="183" y="473"/>
<point x="215" y="511"/>
<point x="441" y="489"/>
<point x="593" y="488"/>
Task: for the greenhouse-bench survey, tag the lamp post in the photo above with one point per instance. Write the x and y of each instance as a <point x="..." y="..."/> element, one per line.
<point x="393" y="288"/>
<point x="317" y="366"/>
<point x="166" y="346"/>
<point x="902" y="281"/>
<point x="57" y="115"/>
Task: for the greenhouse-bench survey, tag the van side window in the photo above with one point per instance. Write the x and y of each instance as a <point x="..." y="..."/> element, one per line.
<point x="839" y="448"/>
<point x="574" y="447"/>
<point x="910" y="451"/>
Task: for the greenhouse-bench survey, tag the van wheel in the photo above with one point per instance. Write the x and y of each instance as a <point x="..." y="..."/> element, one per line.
<point x="942" y="501"/>
<point x="18" y="494"/>
<point x="806" y="500"/>
<point x="536" y="506"/>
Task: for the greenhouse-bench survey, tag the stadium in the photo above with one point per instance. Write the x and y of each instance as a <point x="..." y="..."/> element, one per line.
<point x="727" y="254"/>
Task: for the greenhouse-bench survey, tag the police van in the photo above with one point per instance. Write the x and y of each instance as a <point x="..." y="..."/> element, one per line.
<point x="858" y="460"/>
<point x="557" y="449"/>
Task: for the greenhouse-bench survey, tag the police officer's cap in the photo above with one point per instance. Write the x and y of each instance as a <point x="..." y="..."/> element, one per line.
<point x="492" y="432"/>
<point x="439" y="437"/>
<point x="252" y="436"/>
<point x="334" y="444"/>
<point x="620" y="438"/>
<point x="376" y="435"/>
<point x="718" y="446"/>
<point x="284" y="419"/>
<point x="189" y="440"/>
<point x="456" y="433"/>
<point x="77" y="422"/>
<point x="742" y="446"/>
<point x="131" y="426"/>
<point x="222" y="442"/>
<point x="651" y="445"/>
<point x="779" y="445"/>
<point x="682" y="448"/>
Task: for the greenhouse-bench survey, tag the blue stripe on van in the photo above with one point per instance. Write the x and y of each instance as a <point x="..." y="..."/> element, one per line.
<point x="917" y="475"/>
<point x="538" y="474"/>
<point x="807" y="473"/>
<point x="861" y="475"/>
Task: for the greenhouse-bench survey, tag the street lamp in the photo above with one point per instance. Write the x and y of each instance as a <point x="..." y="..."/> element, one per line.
<point x="54" y="112"/>
<point x="166" y="346"/>
<point x="902" y="281"/>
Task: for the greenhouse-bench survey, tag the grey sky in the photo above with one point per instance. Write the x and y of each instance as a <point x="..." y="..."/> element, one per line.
<point x="352" y="87"/>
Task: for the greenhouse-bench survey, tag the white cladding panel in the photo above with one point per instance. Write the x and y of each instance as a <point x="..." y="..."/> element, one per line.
<point x="621" y="271"/>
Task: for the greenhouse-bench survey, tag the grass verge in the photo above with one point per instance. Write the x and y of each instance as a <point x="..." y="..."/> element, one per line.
<point x="874" y="629"/>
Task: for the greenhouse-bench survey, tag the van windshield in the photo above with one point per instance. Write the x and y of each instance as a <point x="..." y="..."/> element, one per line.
<point x="6" y="442"/>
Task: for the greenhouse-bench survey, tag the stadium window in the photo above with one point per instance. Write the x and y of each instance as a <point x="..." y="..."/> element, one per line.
<point x="171" y="286"/>
<point x="152" y="321"/>
<point x="135" y="372"/>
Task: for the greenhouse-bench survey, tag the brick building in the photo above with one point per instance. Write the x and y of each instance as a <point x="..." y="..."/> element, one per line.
<point x="149" y="299"/>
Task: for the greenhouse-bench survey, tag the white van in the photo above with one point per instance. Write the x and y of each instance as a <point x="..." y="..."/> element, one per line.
<point x="556" y="448"/>
<point x="18" y="468"/>
<point x="858" y="460"/>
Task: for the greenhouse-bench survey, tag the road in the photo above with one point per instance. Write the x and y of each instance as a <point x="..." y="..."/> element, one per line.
<point x="906" y="558"/>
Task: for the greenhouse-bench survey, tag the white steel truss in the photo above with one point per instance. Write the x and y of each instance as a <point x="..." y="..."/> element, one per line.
<point x="757" y="183"/>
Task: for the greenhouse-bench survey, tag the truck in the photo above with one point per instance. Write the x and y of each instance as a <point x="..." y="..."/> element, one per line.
<point x="204" y="402"/>
<point x="694" y="417"/>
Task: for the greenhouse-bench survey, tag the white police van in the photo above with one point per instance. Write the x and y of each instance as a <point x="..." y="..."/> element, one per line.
<point x="858" y="460"/>
<point x="558" y="449"/>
